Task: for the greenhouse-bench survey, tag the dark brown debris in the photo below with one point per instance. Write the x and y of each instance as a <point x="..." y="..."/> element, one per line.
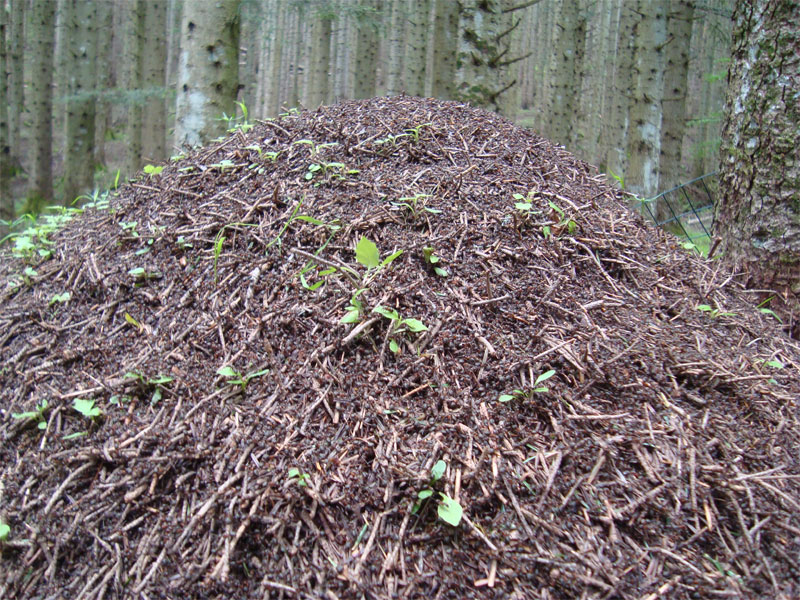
<point x="662" y="462"/>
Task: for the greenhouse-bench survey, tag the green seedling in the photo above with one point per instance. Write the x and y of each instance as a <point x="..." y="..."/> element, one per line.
<point x="237" y="378"/>
<point x="5" y="531"/>
<point x="448" y="510"/>
<point x="130" y="227"/>
<point x="223" y="165"/>
<point x="414" y="132"/>
<point x="525" y="204"/>
<point x="152" y="170"/>
<point x="34" y="415"/>
<point x="239" y="123"/>
<point x="182" y="244"/>
<point x="415" y="205"/>
<point x="290" y="113"/>
<point x="714" y="312"/>
<point x="61" y="298"/>
<point x="398" y="325"/>
<point x="156" y="384"/>
<point x="525" y="394"/>
<point x="322" y="274"/>
<point x="142" y="274"/>
<point x="355" y="309"/>
<point x="391" y="140"/>
<point x="433" y="260"/>
<point x="618" y="178"/>
<point x="367" y="254"/>
<point x="314" y="148"/>
<point x="301" y="478"/>
<point x="306" y="218"/>
<point x="563" y="222"/>
<point x="177" y="157"/>
<point x="87" y="408"/>
<point x="768" y="311"/>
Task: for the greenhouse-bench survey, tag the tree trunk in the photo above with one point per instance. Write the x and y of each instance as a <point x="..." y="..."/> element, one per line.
<point x="396" y="52"/>
<point x="104" y="78"/>
<point x="565" y="80"/>
<point x="644" y="134"/>
<point x="673" y="105"/>
<point x="758" y="212"/>
<point x="154" y="62"/>
<point x="6" y="200"/>
<point x="616" y="126"/>
<point x="16" y="71"/>
<point x="40" y="104"/>
<point x="416" y="47"/>
<point x="320" y="63"/>
<point x="133" y="47"/>
<point x="81" y="34"/>
<point x="209" y="70"/>
<point x="366" y="58"/>
<point x="445" y="49"/>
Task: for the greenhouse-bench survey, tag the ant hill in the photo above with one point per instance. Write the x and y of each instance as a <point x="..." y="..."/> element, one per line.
<point x="389" y="348"/>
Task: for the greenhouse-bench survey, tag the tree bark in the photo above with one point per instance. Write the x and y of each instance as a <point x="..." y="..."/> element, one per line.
<point x="79" y="162"/>
<point x="16" y="71"/>
<point x="566" y="67"/>
<point x="445" y="49"/>
<point x="133" y="48"/>
<point x="208" y="71"/>
<point x="6" y="200"/>
<point x="416" y="47"/>
<point x="366" y="58"/>
<point x="154" y="62"/>
<point x="321" y="33"/>
<point x="644" y="134"/>
<point x="40" y="104"/>
<point x="758" y="212"/>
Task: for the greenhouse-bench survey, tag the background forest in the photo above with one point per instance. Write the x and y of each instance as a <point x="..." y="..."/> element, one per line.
<point x="94" y="87"/>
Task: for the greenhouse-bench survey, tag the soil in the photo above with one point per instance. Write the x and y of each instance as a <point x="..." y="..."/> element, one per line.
<point x="659" y="460"/>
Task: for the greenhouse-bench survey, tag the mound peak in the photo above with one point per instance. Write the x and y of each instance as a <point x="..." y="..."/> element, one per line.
<point x="615" y="417"/>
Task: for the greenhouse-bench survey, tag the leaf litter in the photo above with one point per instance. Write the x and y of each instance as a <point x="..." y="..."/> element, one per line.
<point x="253" y="436"/>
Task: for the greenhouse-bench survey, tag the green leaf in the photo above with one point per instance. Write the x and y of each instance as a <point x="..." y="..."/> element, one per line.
<point x="546" y="231"/>
<point x="159" y="379"/>
<point x="386" y="312"/>
<point x="506" y="398"/>
<point x="438" y="470"/>
<point x="449" y="510"/>
<point x="544" y="376"/>
<point x="350" y="317"/>
<point x="227" y="372"/>
<point x="129" y="319"/>
<point x="441" y="272"/>
<point x="72" y="436"/>
<point x="42" y="425"/>
<point x="156" y="398"/>
<point x="775" y="364"/>
<point x="137" y="272"/>
<point x="425" y="494"/>
<point x="414" y="325"/>
<point x="388" y="260"/>
<point x="86" y="408"/>
<point x="704" y="308"/>
<point x="5" y="530"/>
<point x="393" y="346"/>
<point x="61" y="298"/>
<point x="556" y="208"/>
<point x="367" y="253"/>
<point x="255" y="374"/>
<point x="311" y="220"/>
<point x="523" y="206"/>
<point x="294" y="472"/>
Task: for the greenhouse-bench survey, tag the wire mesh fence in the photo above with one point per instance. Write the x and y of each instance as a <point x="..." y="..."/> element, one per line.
<point x="686" y="210"/>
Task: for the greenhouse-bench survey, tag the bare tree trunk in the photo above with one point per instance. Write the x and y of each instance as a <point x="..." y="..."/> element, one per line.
<point x="209" y="70"/>
<point x="154" y="61"/>
<point x="320" y="63"/>
<point x="16" y="71"/>
<point x="566" y="67"/>
<point x="133" y="47"/>
<point x="40" y="104"/>
<point x="758" y="211"/>
<point x="276" y="66"/>
<point x="366" y="57"/>
<point x="396" y="53"/>
<point x="81" y="30"/>
<point x="104" y="78"/>
<point x="445" y="49"/>
<point x="7" y="210"/>
<point x="416" y="47"/>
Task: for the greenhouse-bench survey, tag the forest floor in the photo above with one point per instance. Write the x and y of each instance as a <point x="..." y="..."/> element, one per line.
<point x="224" y="386"/>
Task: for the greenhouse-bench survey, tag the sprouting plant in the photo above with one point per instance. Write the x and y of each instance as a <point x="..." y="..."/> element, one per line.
<point x="223" y="165"/>
<point x="314" y="147"/>
<point x="297" y="475"/>
<point x="714" y="312"/>
<point x="239" y="123"/>
<point x="563" y="222"/>
<point x="182" y="244"/>
<point x="61" y="298"/>
<point x="36" y="415"/>
<point x="290" y="112"/>
<point x="218" y="241"/>
<point x="152" y="170"/>
<point x="87" y="408"/>
<point x="142" y="274"/>
<point x="322" y="274"/>
<point x="449" y="510"/>
<point x="414" y="205"/>
<point x="177" y="157"/>
<point x="367" y="254"/>
<point x="130" y="227"/>
<point x="156" y="384"/>
<point x="5" y="531"/>
<point x="768" y="311"/>
<point x="398" y="325"/>
<point x="237" y="378"/>
<point x="433" y="260"/>
<point x="524" y="394"/>
<point x="329" y="170"/>
<point x="618" y="178"/>
<point x="414" y="132"/>
<point x="273" y="156"/>
<point x="391" y="140"/>
<point x="355" y="309"/>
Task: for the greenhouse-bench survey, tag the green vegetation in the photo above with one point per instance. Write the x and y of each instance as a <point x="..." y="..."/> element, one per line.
<point x="415" y="205"/>
<point x="36" y="415"/>
<point x="235" y="377"/>
<point x="398" y="325"/>
<point x="714" y="312"/>
<point x="301" y="478"/>
<point x="433" y="261"/>
<point x="87" y="408"/>
<point x="152" y="170"/>
<point x="5" y="531"/>
<point x="448" y="510"/>
<point x="525" y="394"/>
<point x="148" y="385"/>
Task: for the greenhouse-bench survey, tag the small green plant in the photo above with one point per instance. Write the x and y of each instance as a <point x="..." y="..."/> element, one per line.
<point x="367" y="254"/>
<point x="448" y="510"/>
<point x="563" y="222"/>
<point x="313" y="147"/>
<point x="355" y="308"/>
<point x="141" y="274"/>
<point x="223" y="165"/>
<point x="433" y="261"/>
<point x="301" y="478"/>
<point x="239" y="123"/>
<point x="61" y="298"/>
<point x="87" y="408"/>
<point x="398" y="325"/>
<point x="182" y="244"/>
<point x="618" y="178"/>
<point x="714" y="312"/>
<point x="768" y="311"/>
<point x="152" y="170"/>
<point x="290" y="112"/>
<point x="5" y="531"/>
<point x="414" y="132"/>
<point x="525" y="394"/>
<point x="235" y="377"/>
<point x="36" y="415"/>
<point x="130" y="228"/>
<point x="147" y="384"/>
<point x="415" y="205"/>
<point x="322" y="274"/>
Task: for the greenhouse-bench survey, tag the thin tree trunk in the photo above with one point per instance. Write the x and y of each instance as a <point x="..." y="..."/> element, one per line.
<point x="396" y="52"/>
<point x="366" y="57"/>
<point x="445" y="49"/>
<point x="79" y="140"/>
<point x="133" y="47"/>
<point x="15" y="65"/>
<point x="154" y="61"/>
<point x="104" y="78"/>
<point x="616" y="130"/>
<point x="566" y="66"/>
<point x="320" y="63"/>
<point x="40" y="104"/>
<point x="416" y="47"/>
<point x="6" y="200"/>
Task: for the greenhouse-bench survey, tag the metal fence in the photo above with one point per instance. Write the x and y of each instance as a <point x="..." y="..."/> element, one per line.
<point x="686" y="210"/>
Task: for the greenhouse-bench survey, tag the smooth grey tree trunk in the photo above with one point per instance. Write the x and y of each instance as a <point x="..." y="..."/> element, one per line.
<point x="365" y="62"/>
<point x="566" y="67"/>
<point x="133" y="48"/>
<point x="416" y="50"/>
<point x="445" y="49"/>
<point x="6" y="200"/>
<point x="208" y="79"/>
<point x="154" y="62"/>
<point x="16" y="71"/>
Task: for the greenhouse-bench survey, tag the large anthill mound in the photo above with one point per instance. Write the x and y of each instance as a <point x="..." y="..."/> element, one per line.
<point x="249" y="443"/>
